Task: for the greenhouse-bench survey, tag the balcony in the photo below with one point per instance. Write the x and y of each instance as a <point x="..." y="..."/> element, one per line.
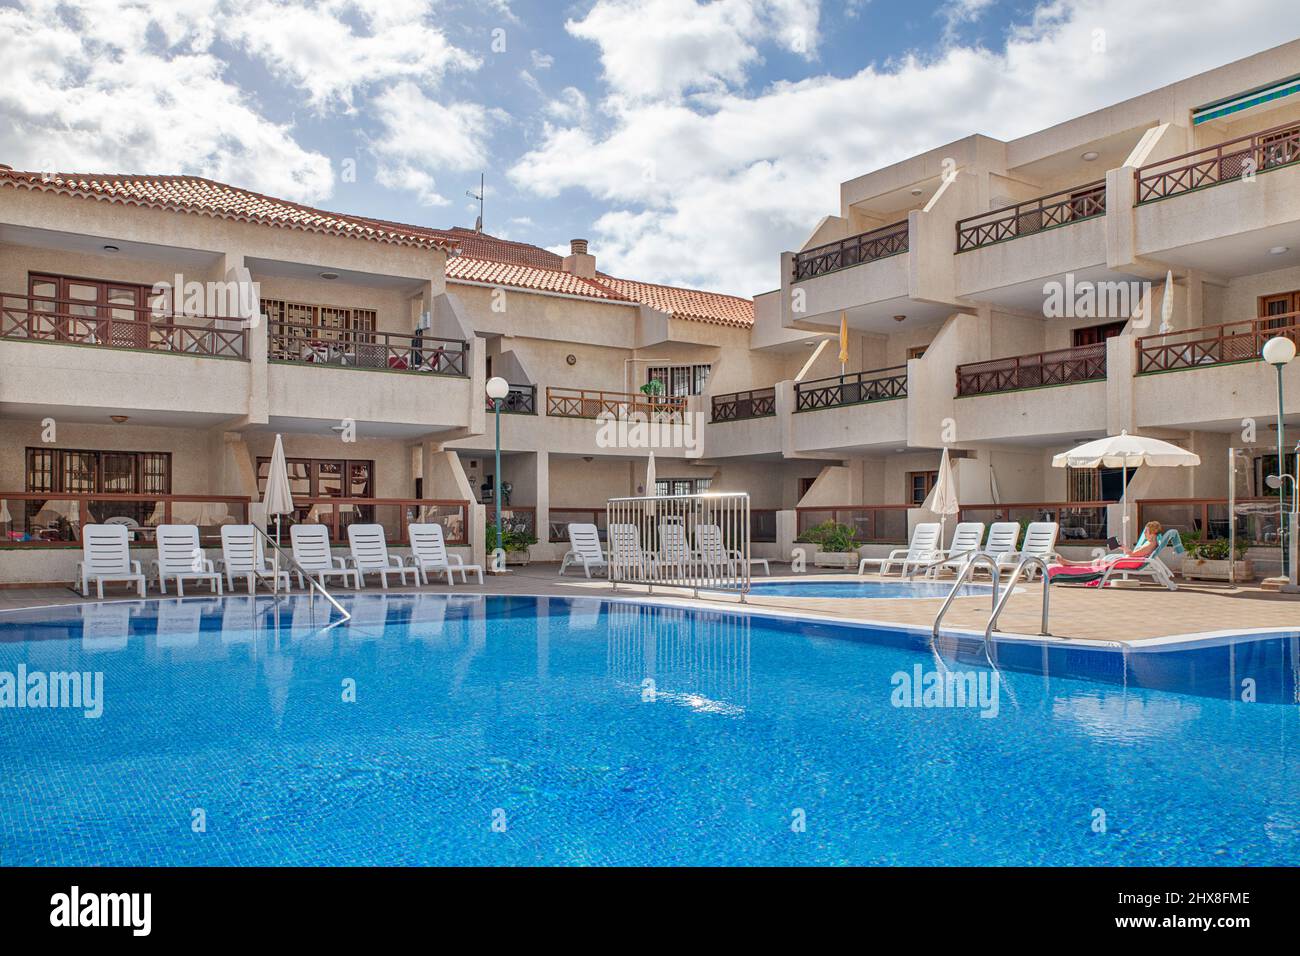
<point x="520" y="400"/>
<point x="881" y="243"/>
<point x="738" y="406"/>
<point x="1033" y="216"/>
<point x="376" y="351"/>
<point x="595" y="403"/>
<point x="1235" y="159"/>
<point x="73" y="322"/>
<point x="854" y="388"/>
<point x="871" y="524"/>
<point x="1214" y="344"/>
<point x="1041" y="369"/>
<point x="52" y="520"/>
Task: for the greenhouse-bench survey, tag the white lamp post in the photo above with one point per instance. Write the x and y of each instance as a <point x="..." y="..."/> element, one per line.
<point x="497" y="389"/>
<point x="1278" y="352"/>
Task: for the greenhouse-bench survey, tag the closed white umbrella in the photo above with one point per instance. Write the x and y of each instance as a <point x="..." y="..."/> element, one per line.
<point x="1167" y="305"/>
<point x="1126" y="451"/>
<point x="943" y="497"/>
<point x="651" y="484"/>
<point x="278" y="499"/>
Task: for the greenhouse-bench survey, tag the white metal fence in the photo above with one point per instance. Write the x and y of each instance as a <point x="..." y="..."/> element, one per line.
<point x="701" y="542"/>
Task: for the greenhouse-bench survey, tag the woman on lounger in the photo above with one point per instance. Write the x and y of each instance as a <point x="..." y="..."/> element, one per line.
<point x="1150" y="541"/>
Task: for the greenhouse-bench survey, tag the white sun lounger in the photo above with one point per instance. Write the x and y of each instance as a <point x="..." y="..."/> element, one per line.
<point x="106" y="556"/>
<point x="584" y="549"/>
<point x="180" y="557"/>
<point x="242" y="557"/>
<point x="370" y="555"/>
<point x="625" y="555"/>
<point x="966" y="539"/>
<point x="311" y="549"/>
<point x="923" y="549"/>
<point x="1040" y="542"/>
<point x="1003" y="539"/>
<point x="713" y="550"/>
<point x="429" y="553"/>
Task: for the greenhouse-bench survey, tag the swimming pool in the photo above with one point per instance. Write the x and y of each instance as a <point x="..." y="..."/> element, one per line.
<point x="812" y="587"/>
<point x="513" y="730"/>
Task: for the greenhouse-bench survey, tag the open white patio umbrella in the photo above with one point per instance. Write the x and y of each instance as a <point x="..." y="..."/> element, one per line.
<point x="1125" y="451"/>
<point x="943" y="498"/>
<point x="278" y="499"/>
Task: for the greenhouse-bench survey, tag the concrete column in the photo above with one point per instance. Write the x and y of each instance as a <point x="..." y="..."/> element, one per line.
<point x="787" y="529"/>
<point x="1121" y="369"/>
<point x="543" y="502"/>
<point x="234" y="269"/>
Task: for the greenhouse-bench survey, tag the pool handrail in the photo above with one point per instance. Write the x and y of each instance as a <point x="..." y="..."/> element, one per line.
<point x="975" y="557"/>
<point x="306" y="575"/>
<point x="1032" y="559"/>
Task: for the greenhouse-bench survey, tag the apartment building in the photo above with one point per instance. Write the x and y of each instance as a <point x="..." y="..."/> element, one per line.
<point x="1007" y="300"/>
<point x="1003" y="300"/>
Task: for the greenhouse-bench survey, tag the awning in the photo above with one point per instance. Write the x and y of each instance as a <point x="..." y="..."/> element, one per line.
<point x="1244" y="101"/>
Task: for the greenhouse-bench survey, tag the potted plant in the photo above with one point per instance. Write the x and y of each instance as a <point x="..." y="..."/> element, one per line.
<point x="515" y="540"/>
<point x="837" y="545"/>
<point x="1210" y="560"/>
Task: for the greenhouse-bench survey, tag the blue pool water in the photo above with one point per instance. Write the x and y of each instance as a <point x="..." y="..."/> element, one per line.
<point x="625" y="734"/>
<point x="863" y="589"/>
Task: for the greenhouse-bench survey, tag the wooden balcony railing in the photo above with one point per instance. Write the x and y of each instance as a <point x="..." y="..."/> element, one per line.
<point x="393" y="513"/>
<point x="388" y="351"/>
<point x="736" y="406"/>
<point x="1234" y="159"/>
<point x="853" y="388"/>
<point x="1213" y="344"/>
<point x="593" y="403"/>
<point x="31" y="519"/>
<point x="1081" y="522"/>
<point x="871" y="523"/>
<point x="42" y="319"/>
<point x="1257" y="519"/>
<point x="1033" y="215"/>
<point x="520" y="400"/>
<point x="561" y="518"/>
<point x="879" y="243"/>
<point x="1087" y="363"/>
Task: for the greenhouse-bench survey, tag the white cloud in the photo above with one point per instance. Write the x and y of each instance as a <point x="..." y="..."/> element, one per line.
<point x="81" y="91"/>
<point x="708" y="190"/>
<point x="332" y="48"/>
<point x="957" y="12"/>
<point x="570" y="107"/>
<point x="652" y="49"/>
<point x="542" y="61"/>
<point x="423" y="135"/>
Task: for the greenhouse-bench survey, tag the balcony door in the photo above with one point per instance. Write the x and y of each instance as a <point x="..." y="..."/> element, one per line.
<point x="1279" y="310"/>
<point x="1096" y="334"/>
<point x="93" y="311"/>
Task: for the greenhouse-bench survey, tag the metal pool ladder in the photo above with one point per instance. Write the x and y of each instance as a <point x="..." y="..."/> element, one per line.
<point x="1031" y="561"/>
<point x="973" y="558"/>
<point x="306" y="575"/>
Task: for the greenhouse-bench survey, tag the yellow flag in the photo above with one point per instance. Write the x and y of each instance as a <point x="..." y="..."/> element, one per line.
<point x="844" y="339"/>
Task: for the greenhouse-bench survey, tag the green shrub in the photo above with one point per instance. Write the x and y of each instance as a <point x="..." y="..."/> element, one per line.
<point x="831" y="536"/>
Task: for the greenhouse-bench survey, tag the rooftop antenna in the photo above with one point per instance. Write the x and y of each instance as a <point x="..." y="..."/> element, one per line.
<point x="478" y="223"/>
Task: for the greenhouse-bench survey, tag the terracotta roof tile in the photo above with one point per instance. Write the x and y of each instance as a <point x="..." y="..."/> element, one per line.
<point x="482" y="257"/>
<point x="195" y="195"/>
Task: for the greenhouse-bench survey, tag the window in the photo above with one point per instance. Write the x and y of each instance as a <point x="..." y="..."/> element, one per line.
<point x="1095" y="484"/>
<point x="323" y="477"/>
<point x="1283" y="305"/>
<point x="122" y="302"/>
<point x="680" y="380"/>
<point x="1266" y="465"/>
<point x="919" y="485"/>
<point x="682" y="486"/>
<point x="73" y="471"/>
<point x="322" y="323"/>
<point x="916" y="351"/>
<point x="1096" y="334"/>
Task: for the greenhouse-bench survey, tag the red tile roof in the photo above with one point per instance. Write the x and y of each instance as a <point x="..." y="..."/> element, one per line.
<point x="482" y="257"/>
<point x="195" y="195"/>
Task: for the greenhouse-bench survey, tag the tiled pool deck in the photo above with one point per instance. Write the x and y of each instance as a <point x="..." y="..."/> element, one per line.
<point x="1080" y="613"/>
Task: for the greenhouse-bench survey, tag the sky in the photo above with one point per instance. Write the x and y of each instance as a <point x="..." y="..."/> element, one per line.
<point x="690" y="141"/>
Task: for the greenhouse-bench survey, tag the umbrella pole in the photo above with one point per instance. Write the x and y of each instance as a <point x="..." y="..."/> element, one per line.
<point x="1123" y="500"/>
